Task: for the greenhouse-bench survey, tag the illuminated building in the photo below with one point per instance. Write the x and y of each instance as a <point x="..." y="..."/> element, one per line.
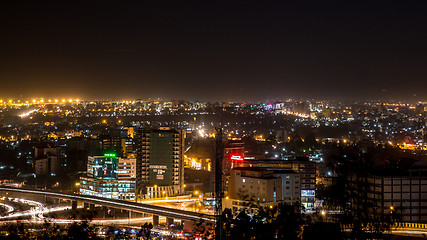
<point x="249" y="185"/>
<point x="122" y="146"/>
<point x="306" y="168"/>
<point x="198" y="163"/>
<point x="108" y="188"/>
<point x="200" y="155"/>
<point x="110" y="177"/>
<point x="160" y="163"/>
<point x="232" y="149"/>
<point x="130" y="131"/>
<point x="126" y="168"/>
<point x="102" y="167"/>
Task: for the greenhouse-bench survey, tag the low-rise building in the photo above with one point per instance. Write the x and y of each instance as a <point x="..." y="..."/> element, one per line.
<point x="303" y="166"/>
<point x="252" y="187"/>
<point x="47" y="165"/>
<point x="110" y="177"/>
<point x="402" y="192"/>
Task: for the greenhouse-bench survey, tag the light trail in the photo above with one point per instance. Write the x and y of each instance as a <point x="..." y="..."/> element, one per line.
<point x="157" y="210"/>
<point x="129" y="221"/>
<point x="170" y="200"/>
<point x="27" y="113"/>
<point x="36" y="211"/>
<point x="9" y="208"/>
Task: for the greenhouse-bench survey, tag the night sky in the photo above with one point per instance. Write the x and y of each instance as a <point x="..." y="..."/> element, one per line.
<point x="214" y="50"/>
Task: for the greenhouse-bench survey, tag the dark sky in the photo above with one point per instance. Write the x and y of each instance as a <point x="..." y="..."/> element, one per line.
<point x="214" y="50"/>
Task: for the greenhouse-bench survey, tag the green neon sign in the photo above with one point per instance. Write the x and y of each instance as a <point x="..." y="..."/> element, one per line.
<point x="109" y="155"/>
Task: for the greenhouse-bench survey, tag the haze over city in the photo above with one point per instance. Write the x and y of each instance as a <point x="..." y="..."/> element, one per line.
<point x="231" y="51"/>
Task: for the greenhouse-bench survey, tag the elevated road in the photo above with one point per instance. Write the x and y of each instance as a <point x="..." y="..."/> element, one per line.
<point x="119" y="204"/>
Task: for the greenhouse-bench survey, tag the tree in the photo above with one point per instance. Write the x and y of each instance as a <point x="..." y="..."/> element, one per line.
<point x="145" y="231"/>
<point x="280" y="222"/>
<point x="288" y="221"/>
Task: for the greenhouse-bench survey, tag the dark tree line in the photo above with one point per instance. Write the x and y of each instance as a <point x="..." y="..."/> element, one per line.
<point x="280" y="222"/>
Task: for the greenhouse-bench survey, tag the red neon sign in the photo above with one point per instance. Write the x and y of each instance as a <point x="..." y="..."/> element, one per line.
<point x="236" y="157"/>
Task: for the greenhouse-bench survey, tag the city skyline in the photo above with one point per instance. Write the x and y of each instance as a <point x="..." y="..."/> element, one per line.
<point x="232" y="52"/>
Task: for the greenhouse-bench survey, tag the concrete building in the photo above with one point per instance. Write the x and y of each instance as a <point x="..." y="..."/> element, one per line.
<point x="302" y="166"/>
<point x="49" y="160"/>
<point x="404" y="192"/>
<point x="160" y="163"/>
<point x="250" y="187"/>
<point x="48" y="165"/>
<point x="41" y="152"/>
<point x="291" y="185"/>
<point x="126" y="168"/>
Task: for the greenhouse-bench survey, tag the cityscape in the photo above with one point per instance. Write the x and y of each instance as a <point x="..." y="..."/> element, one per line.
<point x="329" y="163"/>
<point x="213" y="120"/>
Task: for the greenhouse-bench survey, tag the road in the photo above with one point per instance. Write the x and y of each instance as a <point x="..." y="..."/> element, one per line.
<point x="120" y="204"/>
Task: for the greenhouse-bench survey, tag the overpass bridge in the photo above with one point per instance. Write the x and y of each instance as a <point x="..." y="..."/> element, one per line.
<point x="156" y="211"/>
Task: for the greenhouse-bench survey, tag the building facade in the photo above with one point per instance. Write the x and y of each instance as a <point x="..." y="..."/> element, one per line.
<point x="47" y="165"/>
<point x="110" y="177"/>
<point x="160" y="163"/>
<point x="402" y="193"/>
<point x="252" y="187"/>
<point x="304" y="167"/>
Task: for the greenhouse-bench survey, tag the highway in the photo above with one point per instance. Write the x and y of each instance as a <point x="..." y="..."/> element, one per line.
<point x="120" y="204"/>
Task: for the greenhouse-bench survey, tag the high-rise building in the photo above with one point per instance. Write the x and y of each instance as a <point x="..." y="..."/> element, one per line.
<point x="160" y="165"/>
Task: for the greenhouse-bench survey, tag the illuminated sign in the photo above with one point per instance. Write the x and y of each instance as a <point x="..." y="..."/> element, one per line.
<point x="236" y="157"/>
<point x="308" y="193"/>
<point x="158" y="167"/>
<point x="109" y="155"/>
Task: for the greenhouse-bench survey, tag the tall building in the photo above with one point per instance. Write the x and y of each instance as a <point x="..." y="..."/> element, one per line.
<point x="160" y="163"/>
